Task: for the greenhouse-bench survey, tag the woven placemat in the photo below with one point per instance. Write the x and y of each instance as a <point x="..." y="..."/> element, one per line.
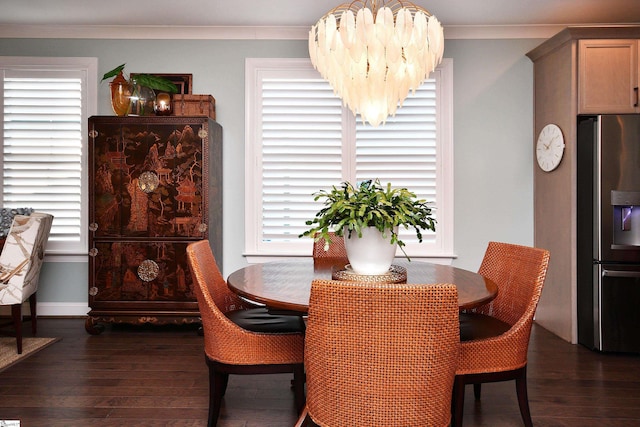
<point x="396" y="274"/>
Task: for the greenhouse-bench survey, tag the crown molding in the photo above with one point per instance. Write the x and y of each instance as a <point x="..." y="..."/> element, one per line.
<point x="163" y="32"/>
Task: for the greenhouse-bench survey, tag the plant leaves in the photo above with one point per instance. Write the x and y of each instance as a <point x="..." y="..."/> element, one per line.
<point x="155" y="82"/>
<point x="113" y="72"/>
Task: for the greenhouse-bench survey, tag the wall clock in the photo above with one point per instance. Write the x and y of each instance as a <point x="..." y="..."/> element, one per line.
<point x="550" y="147"/>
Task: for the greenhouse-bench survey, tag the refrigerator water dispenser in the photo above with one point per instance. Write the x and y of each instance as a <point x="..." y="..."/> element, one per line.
<point x="626" y="219"/>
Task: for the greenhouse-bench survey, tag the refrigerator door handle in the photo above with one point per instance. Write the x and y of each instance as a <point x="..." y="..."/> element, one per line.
<point x="618" y="273"/>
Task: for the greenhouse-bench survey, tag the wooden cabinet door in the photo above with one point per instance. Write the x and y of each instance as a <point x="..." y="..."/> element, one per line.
<point x="141" y="275"/>
<point x="608" y="77"/>
<point x="148" y="180"/>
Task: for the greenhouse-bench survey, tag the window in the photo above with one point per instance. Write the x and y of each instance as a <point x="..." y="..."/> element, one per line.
<point x="300" y="139"/>
<point x="45" y="106"/>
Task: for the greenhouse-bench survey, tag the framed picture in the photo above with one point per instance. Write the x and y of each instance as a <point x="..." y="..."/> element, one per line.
<point x="182" y="81"/>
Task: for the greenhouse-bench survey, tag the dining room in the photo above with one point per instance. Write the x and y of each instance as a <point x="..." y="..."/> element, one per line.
<point x="489" y="187"/>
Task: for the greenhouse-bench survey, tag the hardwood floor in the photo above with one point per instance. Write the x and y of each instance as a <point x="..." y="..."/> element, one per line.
<point x="156" y="376"/>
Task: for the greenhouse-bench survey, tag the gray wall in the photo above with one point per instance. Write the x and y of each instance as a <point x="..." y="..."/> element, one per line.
<point x="493" y="132"/>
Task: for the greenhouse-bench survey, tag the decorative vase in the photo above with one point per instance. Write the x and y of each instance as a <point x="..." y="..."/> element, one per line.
<point x="143" y="101"/>
<point x="371" y="254"/>
<point x="120" y="95"/>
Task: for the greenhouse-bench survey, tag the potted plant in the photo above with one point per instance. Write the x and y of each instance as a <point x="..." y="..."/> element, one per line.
<point x="369" y="210"/>
<point x="135" y="96"/>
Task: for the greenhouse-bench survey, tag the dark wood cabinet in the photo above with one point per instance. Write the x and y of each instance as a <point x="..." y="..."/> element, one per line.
<point x="155" y="185"/>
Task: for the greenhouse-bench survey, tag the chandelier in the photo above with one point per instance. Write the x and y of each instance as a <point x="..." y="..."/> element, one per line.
<point x="373" y="53"/>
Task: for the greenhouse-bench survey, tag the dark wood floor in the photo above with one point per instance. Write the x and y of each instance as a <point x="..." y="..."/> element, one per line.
<point x="157" y="377"/>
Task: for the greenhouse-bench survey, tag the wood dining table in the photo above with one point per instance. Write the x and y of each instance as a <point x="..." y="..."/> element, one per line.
<point x="286" y="285"/>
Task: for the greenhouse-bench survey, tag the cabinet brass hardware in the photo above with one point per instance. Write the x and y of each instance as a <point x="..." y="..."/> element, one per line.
<point x="148" y="270"/>
<point x="148" y="181"/>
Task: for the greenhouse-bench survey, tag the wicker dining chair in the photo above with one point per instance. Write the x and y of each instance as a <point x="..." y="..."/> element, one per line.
<point x="495" y="336"/>
<point x="239" y="340"/>
<point x="380" y="354"/>
<point x="336" y="249"/>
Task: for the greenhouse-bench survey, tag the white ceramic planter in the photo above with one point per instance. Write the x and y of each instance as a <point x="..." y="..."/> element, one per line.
<point x="370" y="254"/>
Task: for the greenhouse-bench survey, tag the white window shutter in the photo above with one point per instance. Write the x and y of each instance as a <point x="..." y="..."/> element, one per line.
<point x="403" y="151"/>
<point x="300" y="139"/>
<point x="301" y="153"/>
<point x="44" y="125"/>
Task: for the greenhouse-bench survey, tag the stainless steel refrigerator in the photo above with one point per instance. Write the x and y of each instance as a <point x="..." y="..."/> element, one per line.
<point x="608" y="232"/>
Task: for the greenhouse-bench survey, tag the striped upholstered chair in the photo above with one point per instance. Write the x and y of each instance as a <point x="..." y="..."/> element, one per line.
<point x="20" y="263"/>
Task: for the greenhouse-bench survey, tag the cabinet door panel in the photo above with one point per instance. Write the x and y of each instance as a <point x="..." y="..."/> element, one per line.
<point x="148" y="180"/>
<point x="608" y="76"/>
<point x="126" y="271"/>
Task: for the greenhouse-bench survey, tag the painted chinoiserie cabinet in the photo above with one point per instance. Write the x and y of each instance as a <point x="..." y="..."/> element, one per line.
<point x="155" y="185"/>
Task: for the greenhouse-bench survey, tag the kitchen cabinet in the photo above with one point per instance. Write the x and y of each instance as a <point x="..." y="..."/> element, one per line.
<point x="155" y="185"/>
<point x="608" y="76"/>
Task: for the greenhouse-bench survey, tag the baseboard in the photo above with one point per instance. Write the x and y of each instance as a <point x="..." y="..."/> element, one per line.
<point x="53" y="309"/>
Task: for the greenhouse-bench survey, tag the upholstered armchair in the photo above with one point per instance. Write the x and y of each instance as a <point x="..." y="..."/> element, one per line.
<point x="20" y="263"/>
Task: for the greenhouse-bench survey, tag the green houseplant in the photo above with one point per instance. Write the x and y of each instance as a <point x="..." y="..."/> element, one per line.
<point x="351" y="209"/>
<point x="134" y="93"/>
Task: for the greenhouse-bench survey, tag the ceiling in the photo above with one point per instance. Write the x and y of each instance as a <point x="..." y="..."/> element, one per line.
<point x="303" y="13"/>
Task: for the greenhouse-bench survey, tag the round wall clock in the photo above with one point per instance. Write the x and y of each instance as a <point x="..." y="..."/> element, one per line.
<point x="550" y="147"/>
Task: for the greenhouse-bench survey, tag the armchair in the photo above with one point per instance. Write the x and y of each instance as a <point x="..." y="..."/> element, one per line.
<point x="20" y="263"/>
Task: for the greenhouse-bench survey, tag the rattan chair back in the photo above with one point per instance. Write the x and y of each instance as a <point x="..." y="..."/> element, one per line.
<point x="381" y="354"/>
<point x="336" y="249"/>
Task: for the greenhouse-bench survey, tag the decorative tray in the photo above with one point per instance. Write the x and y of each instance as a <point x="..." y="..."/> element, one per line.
<point x="396" y="274"/>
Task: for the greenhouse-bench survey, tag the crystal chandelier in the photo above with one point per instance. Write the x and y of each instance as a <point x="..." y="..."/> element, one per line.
<point x="374" y="52"/>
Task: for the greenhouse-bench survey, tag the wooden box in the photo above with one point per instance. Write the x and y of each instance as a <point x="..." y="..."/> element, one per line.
<point x="193" y="105"/>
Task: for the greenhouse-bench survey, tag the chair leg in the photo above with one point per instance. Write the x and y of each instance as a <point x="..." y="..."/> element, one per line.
<point x="32" y="309"/>
<point x="298" y="387"/>
<point x="16" y="314"/>
<point x="217" y="386"/>
<point x="457" y="402"/>
<point x="304" y="417"/>
<point x="477" y="390"/>
<point x="523" y="399"/>
<point x="225" y="383"/>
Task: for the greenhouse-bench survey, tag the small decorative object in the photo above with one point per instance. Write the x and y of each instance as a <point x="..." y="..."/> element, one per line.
<point x="163" y="104"/>
<point x="194" y="105"/>
<point x="135" y="96"/>
<point x="120" y="95"/>
<point x="550" y="147"/>
<point x="374" y="52"/>
<point x="143" y="100"/>
<point x="365" y="210"/>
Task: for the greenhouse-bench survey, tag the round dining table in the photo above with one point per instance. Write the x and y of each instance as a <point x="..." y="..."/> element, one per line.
<point x="286" y="285"/>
